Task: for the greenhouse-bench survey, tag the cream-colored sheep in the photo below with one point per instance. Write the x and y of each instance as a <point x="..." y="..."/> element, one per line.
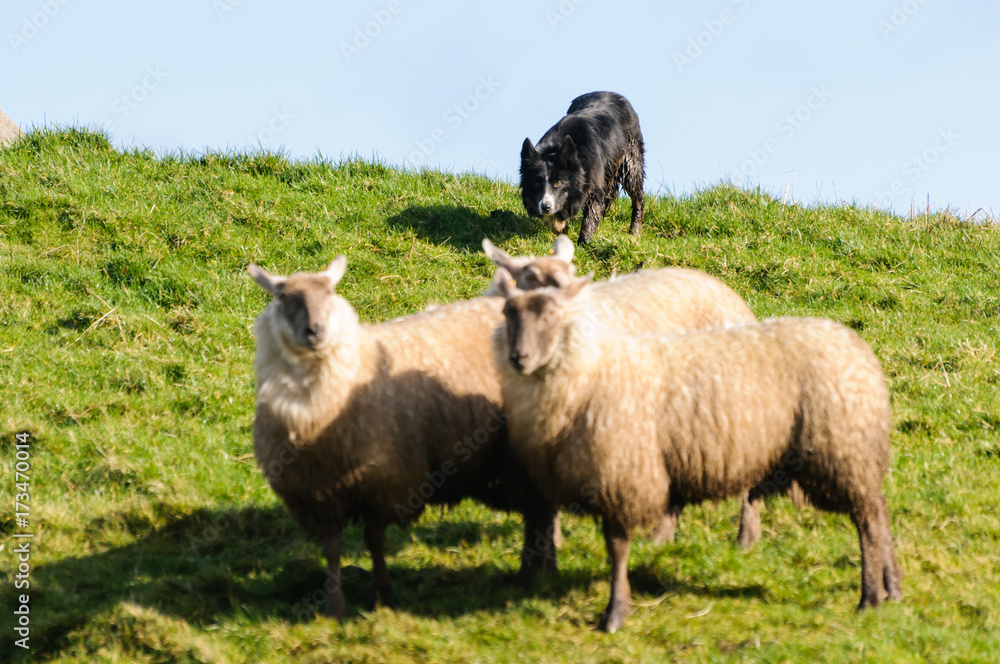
<point x="624" y="425"/>
<point x="372" y="422"/>
<point x="530" y="272"/>
<point x="661" y="301"/>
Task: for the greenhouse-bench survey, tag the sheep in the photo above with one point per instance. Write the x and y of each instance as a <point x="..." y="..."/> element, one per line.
<point x="371" y="422"/>
<point x="662" y="301"/>
<point x="623" y="425"/>
<point x="530" y="272"/>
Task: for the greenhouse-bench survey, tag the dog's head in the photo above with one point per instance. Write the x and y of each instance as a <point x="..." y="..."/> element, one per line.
<point x="552" y="183"/>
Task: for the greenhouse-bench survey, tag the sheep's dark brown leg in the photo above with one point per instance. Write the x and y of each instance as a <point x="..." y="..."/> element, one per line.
<point x="667" y="527"/>
<point x="749" y="521"/>
<point x="892" y="576"/>
<point x="335" y="596"/>
<point x="617" y="540"/>
<point x="539" y="552"/>
<point x="870" y="533"/>
<point x="381" y="583"/>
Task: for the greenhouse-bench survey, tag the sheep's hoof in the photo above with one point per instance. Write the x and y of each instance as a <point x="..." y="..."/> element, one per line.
<point x="869" y="601"/>
<point x="531" y="571"/>
<point x="663" y="532"/>
<point x="613" y="619"/>
<point x="335" y="606"/>
<point x="749" y="535"/>
<point x="382" y="597"/>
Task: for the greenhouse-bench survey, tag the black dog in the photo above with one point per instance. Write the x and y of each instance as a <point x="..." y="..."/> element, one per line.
<point x="582" y="161"/>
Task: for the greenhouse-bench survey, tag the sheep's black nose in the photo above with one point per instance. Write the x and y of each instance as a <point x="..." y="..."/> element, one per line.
<point x="515" y="359"/>
<point x="313" y="331"/>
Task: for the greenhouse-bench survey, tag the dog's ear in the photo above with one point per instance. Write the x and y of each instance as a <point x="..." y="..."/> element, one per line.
<point x="528" y="151"/>
<point x="567" y="154"/>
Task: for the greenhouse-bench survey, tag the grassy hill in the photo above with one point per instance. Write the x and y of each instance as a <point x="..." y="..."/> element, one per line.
<point x="126" y="352"/>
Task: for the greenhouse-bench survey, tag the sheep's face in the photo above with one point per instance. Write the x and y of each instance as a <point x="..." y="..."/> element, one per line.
<point x="535" y="321"/>
<point x="533" y="326"/>
<point x="529" y="273"/>
<point x="545" y="271"/>
<point x="307" y="306"/>
<point x="309" y="312"/>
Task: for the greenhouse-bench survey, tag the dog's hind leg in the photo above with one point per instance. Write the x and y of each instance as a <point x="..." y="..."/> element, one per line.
<point x="633" y="176"/>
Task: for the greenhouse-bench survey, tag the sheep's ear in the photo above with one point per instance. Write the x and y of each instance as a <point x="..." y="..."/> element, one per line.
<point x="269" y="282"/>
<point x="505" y="284"/>
<point x="499" y="257"/>
<point x="563" y="249"/>
<point x="335" y="270"/>
<point x="574" y="287"/>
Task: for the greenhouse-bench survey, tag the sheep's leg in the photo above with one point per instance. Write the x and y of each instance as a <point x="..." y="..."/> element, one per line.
<point x="381" y="583"/>
<point x="335" y="596"/>
<point x="871" y="528"/>
<point x="667" y="527"/>
<point x="797" y="495"/>
<point x="892" y="576"/>
<point x="539" y="552"/>
<point x="617" y="539"/>
<point x="749" y="521"/>
<point x="557" y="540"/>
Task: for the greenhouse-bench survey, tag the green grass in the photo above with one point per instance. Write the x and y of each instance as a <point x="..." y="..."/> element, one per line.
<point x="126" y="351"/>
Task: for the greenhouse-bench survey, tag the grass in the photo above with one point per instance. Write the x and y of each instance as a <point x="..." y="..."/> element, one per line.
<point x="126" y="353"/>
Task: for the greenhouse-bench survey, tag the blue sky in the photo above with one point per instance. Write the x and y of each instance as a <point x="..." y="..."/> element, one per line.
<point x="880" y="102"/>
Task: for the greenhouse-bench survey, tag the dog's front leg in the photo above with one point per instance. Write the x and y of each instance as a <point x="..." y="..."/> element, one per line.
<point x="593" y="212"/>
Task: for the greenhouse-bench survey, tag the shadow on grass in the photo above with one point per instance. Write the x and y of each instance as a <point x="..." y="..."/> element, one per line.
<point x="645" y="579"/>
<point x="462" y="227"/>
<point x="212" y="566"/>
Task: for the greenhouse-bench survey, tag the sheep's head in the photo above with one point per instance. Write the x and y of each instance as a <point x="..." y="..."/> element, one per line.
<point x="534" y="321"/>
<point x="530" y="272"/>
<point x="308" y="310"/>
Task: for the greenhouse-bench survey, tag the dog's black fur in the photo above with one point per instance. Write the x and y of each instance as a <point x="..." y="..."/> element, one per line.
<point x="582" y="161"/>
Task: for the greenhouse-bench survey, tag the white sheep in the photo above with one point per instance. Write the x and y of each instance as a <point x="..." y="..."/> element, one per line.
<point x="661" y="301"/>
<point x="372" y="422"/>
<point x="623" y="425"/>
<point x="530" y="272"/>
